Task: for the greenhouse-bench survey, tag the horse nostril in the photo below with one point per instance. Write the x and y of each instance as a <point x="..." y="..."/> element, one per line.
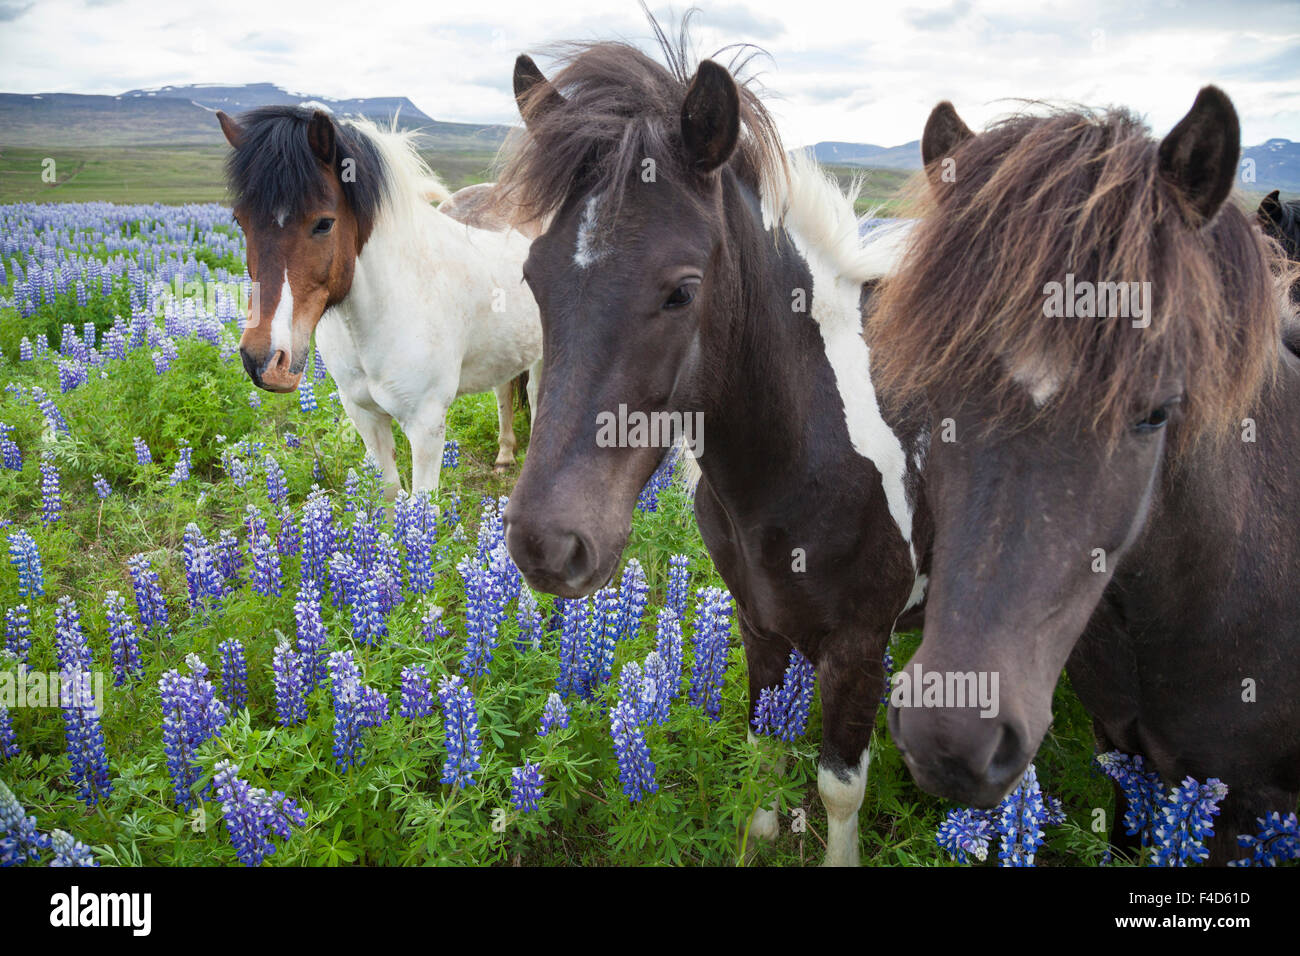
<point x="250" y="365"/>
<point x="280" y="361"/>
<point x="576" y="559"/>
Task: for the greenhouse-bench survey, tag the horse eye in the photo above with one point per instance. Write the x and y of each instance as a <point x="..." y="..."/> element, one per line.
<point x="683" y="295"/>
<point x="323" y="226"/>
<point x="1155" y="421"/>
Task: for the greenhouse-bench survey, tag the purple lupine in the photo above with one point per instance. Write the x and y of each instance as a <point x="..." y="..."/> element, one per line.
<point x="555" y="716"/>
<point x="368" y="624"/>
<point x="53" y="417"/>
<point x="319" y="540"/>
<point x="181" y="471"/>
<point x="633" y="593"/>
<point x="679" y="576"/>
<point x="276" y="489"/>
<point x="964" y="834"/>
<point x="252" y="815"/>
<point x="418" y="533"/>
<point x="267" y="580"/>
<point x="526" y="786"/>
<point x="123" y="640"/>
<point x="355" y="708"/>
<point x="782" y="711"/>
<point x="344" y="579"/>
<point x="451" y="454"/>
<point x="363" y="535"/>
<point x="234" y="675"/>
<point x="192" y="714"/>
<point x="254" y="523"/>
<point x="602" y="631"/>
<point x="102" y="490"/>
<point x="142" y="454"/>
<point x="18" y="632"/>
<point x="148" y="593"/>
<point x="254" y="398"/>
<point x="26" y="558"/>
<point x="648" y="499"/>
<point x="85" y="737"/>
<point x="528" y="617"/>
<point x="287" y="539"/>
<point x="51" y="497"/>
<point x="290" y="695"/>
<point x="69" y="851"/>
<point x="8" y="743"/>
<point x="206" y="588"/>
<point x="655" y="693"/>
<point x="1276" y="841"/>
<point x="311" y="637"/>
<point x="483" y="598"/>
<point x="635" y="690"/>
<point x="460" y="722"/>
<point x="432" y="624"/>
<point x="668" y="645"/>
<point x="306" y="397"/>
<point x="636" y="770"/>
<point x="11" y="457"/>
<point x="417" y="697"/>
<point x="710" y="642"/>
<point x="20" y="840"/>
<point x="1186" y="822"/>
<point x="573" y="667"/>
<point x="229" y="559"/>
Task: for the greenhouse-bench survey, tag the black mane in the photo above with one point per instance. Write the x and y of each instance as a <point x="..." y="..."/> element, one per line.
<point x="274" y="171"/>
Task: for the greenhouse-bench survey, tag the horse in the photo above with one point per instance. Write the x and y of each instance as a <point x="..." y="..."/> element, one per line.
<point x="1114" y="489"/>
<point x="410" y="307"/>
<point x="719" y="283"/>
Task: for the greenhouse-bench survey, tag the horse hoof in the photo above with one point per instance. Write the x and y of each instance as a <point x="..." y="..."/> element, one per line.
<point x="765" y="825"/>
<point x="501" y="467"/>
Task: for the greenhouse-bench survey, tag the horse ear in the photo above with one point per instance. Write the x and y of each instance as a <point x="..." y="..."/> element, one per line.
<point x="1199" y="156"/>
<point x="1270" y="208"/>
<point x="234" y="132"/>
<point x="534" y="94"/>
<point x="320" y="137"/>
<point x="944" y="132"/>
<point x="711" y="117"/>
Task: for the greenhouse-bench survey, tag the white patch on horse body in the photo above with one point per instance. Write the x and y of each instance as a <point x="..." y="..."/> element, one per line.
<point x="282" y="321"/>
<point x="918" y="591"/>
<point x="585" y="252"/>
<point x="1039" y="378"/>
<point x="842" y="800"/>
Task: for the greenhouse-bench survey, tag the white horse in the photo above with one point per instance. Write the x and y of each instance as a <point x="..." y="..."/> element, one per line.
<point x="411" y="308"/>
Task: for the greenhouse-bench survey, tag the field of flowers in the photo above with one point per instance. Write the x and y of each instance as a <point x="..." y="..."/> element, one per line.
<point x="245" y="656"/>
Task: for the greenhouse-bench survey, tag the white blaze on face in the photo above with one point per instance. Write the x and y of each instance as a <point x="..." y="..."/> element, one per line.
<point x="1039" y="378"/>
<point x="585" y="253"/>
<point x="282" y="321"/>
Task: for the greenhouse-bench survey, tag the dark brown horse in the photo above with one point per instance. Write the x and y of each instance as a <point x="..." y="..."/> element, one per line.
<point x="1098" y="331"/>
<point x="688" y="271"/>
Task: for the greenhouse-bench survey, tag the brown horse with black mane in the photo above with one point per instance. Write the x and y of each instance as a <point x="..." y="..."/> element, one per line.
<point x="1118" y="496"/>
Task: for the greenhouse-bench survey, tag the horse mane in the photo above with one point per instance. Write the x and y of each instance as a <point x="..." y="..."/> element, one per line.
<point x="1075" y="191"/>
<point x="274" y="171"/>
<point x="620" y="107"/>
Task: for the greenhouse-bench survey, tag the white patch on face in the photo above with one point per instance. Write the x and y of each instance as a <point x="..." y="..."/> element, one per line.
<point x="835" y="309"/>
<point x="282" y="321"/>
<point x="586" y="252"/>
<point x="280" y="217"/>
<point x="1039" y="378"/>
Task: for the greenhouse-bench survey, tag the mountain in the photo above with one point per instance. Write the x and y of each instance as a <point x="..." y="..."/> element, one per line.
<point x="907" y="156"/>
<point x="1277" y="165"/>
<point x="183" y="116"/>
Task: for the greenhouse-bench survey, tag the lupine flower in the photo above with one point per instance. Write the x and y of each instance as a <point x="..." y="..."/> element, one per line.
<point x="252" y="815"/>
<point x="451" y="454"/>
<point x="602" y="632"/>
<point x="573" y="668"/>
<point x="18" y="632"/>
<point x="11" y="456"/>
<point x="142" y="454"/>
<point x="306" y="397"/>
<point x="69" y="851"/>
<point x="355" y="708"/>
<point x="267" y="580"/>
<point x="364" y="535"/>
<point x="635" y="768"/>
<point x="678" y="582"/>
<point x="192" y="714"/>
<point x="1186" y="821"/>
<point x="655" y="692"/>
<point x="783" y="711"/>
<point x="318" y="536"/>
<point x="8" y="743"/>
<point x="668" y="645"/>
<point x="1022" y="816"/>
<point x="234" y="675"/>
<point x="206" y="587"/>
<point x="20" y="840"/>
<point x="368" y="624"/>
<point x="53" y="417"/>
<point x="432" y="625"/>
<point x="1143" y="791"/>
<point x="254" y="399"/>
<point x="101" y="487"/>
<point x="529" y="620"/>
<point x="311" y="637"/>
<point x="484" y="601"/>
<point x="417" y="697"/>
<point x="555" y="716"/>
<point x="181" y="471"/>
<point x="1277" y="841"/>
<point x="287" y="539"/>
<point x="276" y="489"/>
<point x="290" y="696"/>
<point x="229" y="559"/>
<point x="710" y="641"/>
<point x="633" y="593"/>
<point x="418" y="533"/>
<point x="25" y="557"/>
<point x="965" y="834"/>
<point x="648" y="499"/>
<point x="460" y="723"/>
<point x="526" y="786"/>
<point x="51" y="497"/>
<point x="148" y="593"/>
<point x="123" y="640"/>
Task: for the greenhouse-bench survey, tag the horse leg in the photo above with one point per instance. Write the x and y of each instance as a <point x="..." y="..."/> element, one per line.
<point x="376" y="430"/>
<point x="766" y="666"/>
<point x="852" y="679"/>
<point x="427" y="432"/>
<point x="505" y="426"/>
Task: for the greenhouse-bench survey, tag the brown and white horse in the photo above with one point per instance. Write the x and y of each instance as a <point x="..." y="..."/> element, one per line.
<point x="410" y="308"/>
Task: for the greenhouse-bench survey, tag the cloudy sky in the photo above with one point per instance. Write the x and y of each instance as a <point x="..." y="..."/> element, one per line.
<point x="870" y="77"/>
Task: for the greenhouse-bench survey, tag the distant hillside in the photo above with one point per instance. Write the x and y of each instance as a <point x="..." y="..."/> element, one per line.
<point x="183" y="116"/>
<point x="907" y="156"/>
<point x="1277" y="165"/>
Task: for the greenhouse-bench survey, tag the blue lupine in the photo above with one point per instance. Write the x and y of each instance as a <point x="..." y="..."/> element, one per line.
<point x="783" y="711"/>
<point x="679" y="576"/>
<point x="432" y="624"/>
<point x="319" y="539"/>
<point x="368" y="624"/>
<point x="460" y="723"/>
<point x="11" y="456"/>
<point x="1276" y="841"/>
<point x="418" y="533"/>
<point x="451" y="454"/>
<point x="68" y="851"/>
<point x="344" y="578"/>
<point x="417" y="696"/>
<point x="710" y="642"/>
<point x="102" y="490"/>
<point x="633" y="593"/>
<point x="965" y="834"/>
<point x="267" y="579"/>
<point x="254" y="398"/>
<point x="668" y="645"/>
<point x="528" y="618"/>
<point x="1022" y="815"/>
<point x="8" y="743"/>
<point x="655" y="694"/>
<point x="1142" y="788"/>
<point x="181" y="471"/>
<point x="18" y="632"/>
<point x="70" y="643"/>
<point x="192" y="714"/>
<point x="276" y="489"/>
<point x="636" y="770"/>
<point x="555" y="716"/>
<point x="142" y="454"/>
<point x="123" y="640"/>
<point x="648" y="499"/>
<point x="311" y="637"/>
<point x="148" y="593"/>
<point x="1186" y="821"/>
<point x="20" y="840"/>
<point x="287" y="539"/>
<point x="51" y="497"/>
<point x="229" y="559"/>
<point x="602" y="631"/>
<point x="573" y="668"/>
<point x="53" y="417"/>
<point x="26" y="558"/>
<point x="526" y="786"/>
<point x="252" y="815"/>
<point x="234" y="675"/>
<point x="306" y="397"/>
<point x="206" y="587"/>
<point x="290" y="695"/>
<point x="356" y="707"/>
